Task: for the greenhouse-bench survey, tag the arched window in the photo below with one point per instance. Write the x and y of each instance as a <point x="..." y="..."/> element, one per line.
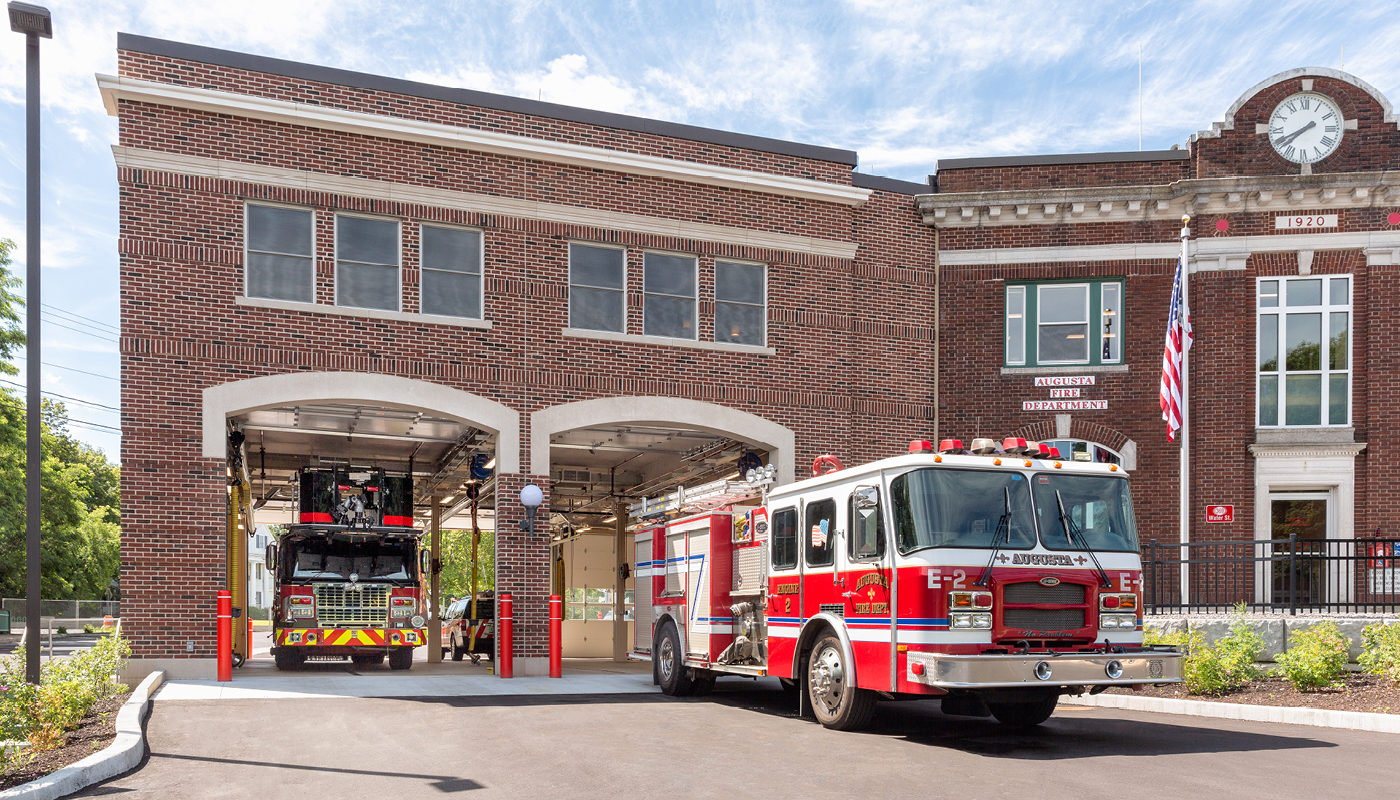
<point x="1081" y="450"/>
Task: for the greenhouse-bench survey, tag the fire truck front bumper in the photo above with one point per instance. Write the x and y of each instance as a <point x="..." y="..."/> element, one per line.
<point x="351" y="637"/>
<point x="945" y="671"/>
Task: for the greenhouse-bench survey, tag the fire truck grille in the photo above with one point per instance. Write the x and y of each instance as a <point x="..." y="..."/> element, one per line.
<point x="337" y="605"/>
<point x="1064" y="594"/>
<point x="1044" y="619"/>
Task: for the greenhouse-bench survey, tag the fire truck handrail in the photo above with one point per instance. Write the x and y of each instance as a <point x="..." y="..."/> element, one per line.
<point x="699" y="498"/>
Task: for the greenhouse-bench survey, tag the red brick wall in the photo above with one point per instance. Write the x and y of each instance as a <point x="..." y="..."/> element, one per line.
<point x="1061" y="176"/>
<point x="853" y="338"/>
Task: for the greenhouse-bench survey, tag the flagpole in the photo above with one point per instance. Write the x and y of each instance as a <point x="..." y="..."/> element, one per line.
<point x="1184" y="500"/>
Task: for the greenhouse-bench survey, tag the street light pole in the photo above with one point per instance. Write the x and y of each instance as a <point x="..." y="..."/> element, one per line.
<point x="34" y="22"/>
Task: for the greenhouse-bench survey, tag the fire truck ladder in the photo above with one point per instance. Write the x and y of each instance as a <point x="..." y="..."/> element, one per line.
<point x="692" y="500"/>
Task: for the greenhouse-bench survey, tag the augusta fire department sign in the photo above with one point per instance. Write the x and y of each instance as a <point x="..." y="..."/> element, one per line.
<point x="1065" y="394"/>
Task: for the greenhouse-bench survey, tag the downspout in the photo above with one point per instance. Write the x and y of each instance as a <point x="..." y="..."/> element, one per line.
<point x="937" y="329"/>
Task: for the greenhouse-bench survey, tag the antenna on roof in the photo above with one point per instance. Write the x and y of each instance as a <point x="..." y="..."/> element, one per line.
<point x="1139" y="96"/>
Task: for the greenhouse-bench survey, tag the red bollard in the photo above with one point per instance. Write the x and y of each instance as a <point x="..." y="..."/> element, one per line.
<point x="248" y="643"/>
<point x="556" y="635"/>
<point x="505" y="622"/>
<point x="223" y="640"/>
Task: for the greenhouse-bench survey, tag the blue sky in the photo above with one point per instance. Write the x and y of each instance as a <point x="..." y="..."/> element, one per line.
<point x="903" y="83"/>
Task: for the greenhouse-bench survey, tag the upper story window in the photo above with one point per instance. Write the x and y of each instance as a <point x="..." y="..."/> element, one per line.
<point x="1064" y="323"/>
<point x="741" y="302"/>
<point x="597" y="288"/>
<point x="668" y="284"/>
<point x="451" y="272"/>
<point x="366" y="262"/>
<point x="279" y="261"/>
<point x="1304" y="351"/>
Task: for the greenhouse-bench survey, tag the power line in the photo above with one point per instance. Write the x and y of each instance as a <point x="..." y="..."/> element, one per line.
<point x="72" y="369"/>
<point x="66" y="397"/>
<point x="94" y="425"/>
<point x="80" y="330"/>
<point x="79" y="317"/>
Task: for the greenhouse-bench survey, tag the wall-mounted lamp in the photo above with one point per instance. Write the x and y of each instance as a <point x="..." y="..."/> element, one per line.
<point x="530" y="497"/>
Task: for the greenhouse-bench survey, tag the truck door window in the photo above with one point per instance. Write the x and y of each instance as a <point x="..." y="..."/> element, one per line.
<point x="867" y="540"/>
<point x="675" y="564"/>
<point x="821" y="528"/>
<point x="784" y="541"/>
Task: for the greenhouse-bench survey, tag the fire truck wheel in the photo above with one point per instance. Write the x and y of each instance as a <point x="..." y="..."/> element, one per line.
<point x="836" y="703"/>
<point x="288" y="659"/>
<point x="1025" y="713"/>
<point x="671" y="671"/>
<point x="401" y="658"/>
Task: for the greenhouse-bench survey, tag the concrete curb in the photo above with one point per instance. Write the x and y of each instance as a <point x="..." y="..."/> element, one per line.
<point x="122" y="755"/>
<point x="1288" y="715"/>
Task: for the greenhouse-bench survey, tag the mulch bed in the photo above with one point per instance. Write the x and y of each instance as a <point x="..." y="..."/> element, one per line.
<point x="96" y="731"/>
<point x="1361" y="692"/>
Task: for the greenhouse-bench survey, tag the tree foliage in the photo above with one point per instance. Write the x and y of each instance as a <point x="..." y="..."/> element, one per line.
<point x="456" y="576"/>
<point x="80" y="517"/>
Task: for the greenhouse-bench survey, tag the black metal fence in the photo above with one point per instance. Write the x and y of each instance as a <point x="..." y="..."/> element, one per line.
<point x="1273" y="576"/>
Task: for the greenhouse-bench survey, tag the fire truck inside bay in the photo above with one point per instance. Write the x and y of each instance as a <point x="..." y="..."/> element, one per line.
<point x="349" y="573"/>
<point x="996" y="578"/>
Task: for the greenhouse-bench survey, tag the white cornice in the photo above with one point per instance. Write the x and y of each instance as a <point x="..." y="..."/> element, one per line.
<point x="1216" y="252"/>
<point x="1195" y="197"/>
<point x="314" y="116"/>
<point x="468" y="201"/>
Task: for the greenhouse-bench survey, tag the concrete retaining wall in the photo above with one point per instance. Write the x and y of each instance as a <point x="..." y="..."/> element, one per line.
<point x="1275" y="630"/>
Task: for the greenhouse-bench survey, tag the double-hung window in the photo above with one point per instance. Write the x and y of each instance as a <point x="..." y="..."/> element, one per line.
<point x="741" y="307"/>
<point x="597" y="288"/>
<point x="279" y="262"/>
<point x="366" y="262"/>
<point x="1304" y="351"/>
<point x="668" y="286"/>
<point x="1048" y="324"/>
<point x="451" y="272"/>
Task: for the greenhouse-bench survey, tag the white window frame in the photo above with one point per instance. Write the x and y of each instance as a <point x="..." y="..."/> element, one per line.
<point x="764" y="306"/>
<point x="1325" y="372"/>
<point x="480" y="269"/>
<point x="694" y="299"/>
<point x="1021" y="320"/>
<point x="398" y="266"/>
<point x="311" y="271"/>
<point x="622" y="329"/>
<point x="1087" y="322"/>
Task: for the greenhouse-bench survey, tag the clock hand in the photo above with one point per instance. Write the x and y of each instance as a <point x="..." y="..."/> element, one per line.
<point x="1294" y="135"/>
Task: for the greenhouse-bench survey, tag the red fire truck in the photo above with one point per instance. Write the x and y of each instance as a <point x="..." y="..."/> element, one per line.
<point x="997" y="578"/>
<point x="349" y="574"/>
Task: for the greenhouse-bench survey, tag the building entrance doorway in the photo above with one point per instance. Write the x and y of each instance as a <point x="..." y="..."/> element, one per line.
<point x="1300" y="527"/>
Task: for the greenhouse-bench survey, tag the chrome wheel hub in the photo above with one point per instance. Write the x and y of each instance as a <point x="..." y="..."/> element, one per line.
<point x="827" y="678"/>
<point x="666" y="659"/>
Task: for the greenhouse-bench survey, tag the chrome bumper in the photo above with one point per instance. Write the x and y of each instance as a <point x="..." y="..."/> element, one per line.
<point x="1069" y="669"/>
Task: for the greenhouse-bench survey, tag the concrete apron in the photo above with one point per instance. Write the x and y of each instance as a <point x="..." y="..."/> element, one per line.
<point x="1273" y="629"/>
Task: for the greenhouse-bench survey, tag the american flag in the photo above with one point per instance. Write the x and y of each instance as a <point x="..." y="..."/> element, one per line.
<point x="1178" y="342"/>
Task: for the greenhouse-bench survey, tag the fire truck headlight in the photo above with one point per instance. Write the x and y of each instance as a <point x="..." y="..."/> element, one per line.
<point x="1113" y="669"/>
<point x="981" y="620"/>
<point x="301" y="612"/>
<point x="1112" y="621"/>
<point x="401" y="613"/>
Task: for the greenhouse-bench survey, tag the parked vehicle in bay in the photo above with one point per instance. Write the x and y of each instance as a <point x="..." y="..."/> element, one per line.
<point x="465" y="634"/>
<point x="349" y="573"/>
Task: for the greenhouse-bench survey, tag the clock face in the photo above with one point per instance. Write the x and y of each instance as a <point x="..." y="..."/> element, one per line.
<point x="1305" y="128"/>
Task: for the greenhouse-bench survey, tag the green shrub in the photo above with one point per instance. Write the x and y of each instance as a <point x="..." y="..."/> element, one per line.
<point x="62" y="631"/>
<point x="1380" y="650"/>
<point x="1226" y="666"/>
<point x="1316" y="658"/>
<point x="68" y="688"/>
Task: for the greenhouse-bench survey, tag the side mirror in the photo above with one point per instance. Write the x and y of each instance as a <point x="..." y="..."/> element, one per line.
<point x="424" y="563"/>
<point x="270" y="558"/>
<point x="866" y="497"/>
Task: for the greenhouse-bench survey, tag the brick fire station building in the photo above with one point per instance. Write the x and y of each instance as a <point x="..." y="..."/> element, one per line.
<point x="325" y="266"/>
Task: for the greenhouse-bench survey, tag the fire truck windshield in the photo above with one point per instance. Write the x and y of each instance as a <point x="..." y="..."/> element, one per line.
<point x="1100" y="507"/>
<point x="960" y="508"/>
<point x="328" y="559"/>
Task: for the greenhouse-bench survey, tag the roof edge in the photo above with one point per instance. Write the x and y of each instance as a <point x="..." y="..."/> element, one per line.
<point x="1062" y="158"/>
<point x="362" y="80"/>
<point x="882" y="184"/>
